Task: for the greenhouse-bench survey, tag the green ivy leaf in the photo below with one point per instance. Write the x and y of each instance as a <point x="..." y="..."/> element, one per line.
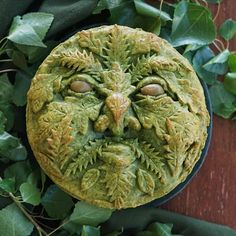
<point x="6" y="91"/>
<point x="228" y="29"/>
<point x="223" y="102"/>
<point x="24" y="34"/>
<point x="14" y="223"/>
<point x="90" y="231"/>
<point x="232" y="62"/>
<point x="107" y="4"/>
<point x="3" y="121"/>
<point x="39" y="21"/>
<point x="147" y="10"/>
<point x="202" y="56"/>
<point x="8" y="185"/>
<point x="19" y="59"/>
<point x="230" y="82"/>
<point x="56" y="202"/>
<point x="11" y="148"/>
<point x="192" y="24"/>
<point x="157" y="229"/>
<point x="86" y="214"/>
<point x="21" y="87"/>
<point x="19" y="171"/>
<point x="30" y="194"/>
<point x="218" y="64"/>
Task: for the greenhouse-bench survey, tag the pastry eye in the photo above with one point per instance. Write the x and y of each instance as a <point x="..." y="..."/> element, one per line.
<point x="152" y="90"/>
<point x="80" y="86"/>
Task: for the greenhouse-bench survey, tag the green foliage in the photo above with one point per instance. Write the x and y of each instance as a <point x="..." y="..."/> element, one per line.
<point x="230" y="82"/>
<point x="30" y="29"/>
<point x="86" y="214"/>
<point x="56" y="202"/>
<point x="202" y="56"/>
<point x="192" y="24"/>
<point x="30" y="193"/>
<point x="218" y="64"/>
<point x="228" y="29"/>
<point x="90" y="231"/>
<point x="157" y="229"/>
<point x="13" y="222"/>
<point x="7" y="185"/>
<point x="223" y="102"/>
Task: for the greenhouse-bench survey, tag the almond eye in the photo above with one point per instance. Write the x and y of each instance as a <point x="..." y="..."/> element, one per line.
<point x="79" y="86"/>
<point x="152" y="90"/>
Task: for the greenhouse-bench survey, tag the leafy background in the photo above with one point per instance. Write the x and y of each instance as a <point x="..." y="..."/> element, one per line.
<point x="32" y="205"/>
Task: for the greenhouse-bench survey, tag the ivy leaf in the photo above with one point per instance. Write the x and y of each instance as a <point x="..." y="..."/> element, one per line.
<point x="230" y="82"/>
<point x="30" y="29"/>
<point x="11" y="148"/>
<point x="157" y="229"/>
<point x="107" y="4"/>
<point x="24" y="34"/>
<point x="14" y="223"/>
<point x="232" y="62"/>
<point x="19" y="171"/>
<point x="8" y="185"/>
<point x="39" y="21"/>
<point x="147" y="10"/>
<point x="201" y="57"/>
<point x="192" y="24"/>
<point x="56" y="202"/>
<point x="6" y="91"/>
<point x="21" y="87"/>
<point x="86" y="214"/>
<point x="218" y="64"/>
<point x="30" y="194"/>
<point x="228" y="29"/>
<point x="90" y="231"/>
<point x="223" y="102"/>
<point x="2" y="122"/>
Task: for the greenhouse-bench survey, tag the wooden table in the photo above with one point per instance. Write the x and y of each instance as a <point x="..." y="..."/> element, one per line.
<point x="211" y="195"/>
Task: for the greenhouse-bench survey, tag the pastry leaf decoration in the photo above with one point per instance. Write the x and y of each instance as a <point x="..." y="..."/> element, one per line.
<point x="176" y="147"/>
<point x="141" y="68"/>
<point x="117" y="50"/>
<point x="89" y="179"/>
<point x="145" y="182"/>
<point x="80" y="61"/>
<point x="58" y="149"/>
<point x="118" y="185"/>
<point x="87" y="155"/>
<point x="151" y="159"/>
<point x="42" y="92"/>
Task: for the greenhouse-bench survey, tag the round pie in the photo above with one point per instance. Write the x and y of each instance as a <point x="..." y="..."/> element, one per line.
<point x="116" y="117"/>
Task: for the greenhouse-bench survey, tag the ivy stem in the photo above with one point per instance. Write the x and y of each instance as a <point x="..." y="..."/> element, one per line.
<point x="7" y="70"/>
<point x="39" y="229"/>
<point x="221" y="44"/>
<point x="217" y="12"/>
<point x="60" y="226"/>
<point x="216" y="46"/>
<point x="6" y="60"/>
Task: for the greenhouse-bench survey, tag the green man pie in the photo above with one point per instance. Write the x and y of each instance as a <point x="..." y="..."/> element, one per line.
<point x="116" y="117"/>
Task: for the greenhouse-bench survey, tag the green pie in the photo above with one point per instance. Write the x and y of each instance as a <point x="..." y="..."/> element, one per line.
<point x="116" y="116"/>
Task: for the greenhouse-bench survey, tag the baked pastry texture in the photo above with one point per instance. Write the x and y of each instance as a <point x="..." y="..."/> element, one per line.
<point x="116" y="116"/>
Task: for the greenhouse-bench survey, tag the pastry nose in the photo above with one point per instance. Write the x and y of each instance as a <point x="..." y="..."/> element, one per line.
<point x="118" y="105"/>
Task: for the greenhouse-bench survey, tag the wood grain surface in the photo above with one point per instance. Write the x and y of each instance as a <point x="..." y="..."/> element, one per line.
<point x="211" y="195"/>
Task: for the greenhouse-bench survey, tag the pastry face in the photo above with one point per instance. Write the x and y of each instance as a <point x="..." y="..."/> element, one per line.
<point x="116" y="117"/>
